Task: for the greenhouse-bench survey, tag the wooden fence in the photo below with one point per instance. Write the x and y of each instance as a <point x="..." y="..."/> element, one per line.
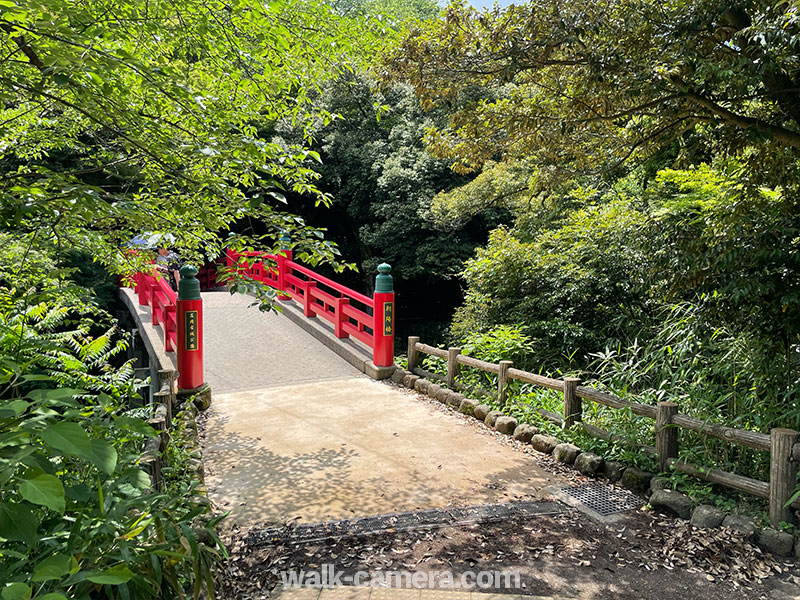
<point x="781" y="443"/>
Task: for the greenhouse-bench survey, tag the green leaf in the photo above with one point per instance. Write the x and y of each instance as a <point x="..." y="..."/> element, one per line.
<point x="52" y="596"/>
<point x="13" y="408"/>
<point x="140" y="479"/>
<point x="135" y="425"/>
<point x="69" y="438"/>
<point x="104" y="457"/>
<point x="60" y="396"/>
<point x="45" y="490"/>
<point x="95" y="347"/>
<point x="16" y="591"/>
<point x="61" y="79"/>
<point x="52" y="567"/>
<point x="80" y="492"/>
<point x="113" y="576"/>
<point x="18" y="523"/>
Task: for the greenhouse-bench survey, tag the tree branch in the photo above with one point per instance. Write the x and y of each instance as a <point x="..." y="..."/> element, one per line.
<point x="778" y="133"/>
<point x="24" y="47"/>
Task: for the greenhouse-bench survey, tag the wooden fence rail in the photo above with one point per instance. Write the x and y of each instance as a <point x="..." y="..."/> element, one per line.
<point x="782" y="444"/>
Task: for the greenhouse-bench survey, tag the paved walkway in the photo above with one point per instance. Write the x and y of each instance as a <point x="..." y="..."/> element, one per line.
<point x="295" y="432"/>
<point x="249" y="349"/>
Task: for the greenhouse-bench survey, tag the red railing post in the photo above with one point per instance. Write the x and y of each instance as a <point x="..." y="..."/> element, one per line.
<point x="143" y="287"/>
<point x="340" y="318"/>
<point x="169" y="313"/>
<point x="154" y="308"/>
<point x="383" y="328"/>
<point x="283" y="258"/>
<point x="308" y="300"/>
<point x="189" y="317"/>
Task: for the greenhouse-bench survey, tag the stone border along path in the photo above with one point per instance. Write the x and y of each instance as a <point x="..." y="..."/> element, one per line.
<point x="367" y="593"/>
<point x="781" y="543"/>
<point x="297" y="433"/>
<point x="433" y="518"/>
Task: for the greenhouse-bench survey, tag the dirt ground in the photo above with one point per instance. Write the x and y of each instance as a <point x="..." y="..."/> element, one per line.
<point x="647" y="556"/>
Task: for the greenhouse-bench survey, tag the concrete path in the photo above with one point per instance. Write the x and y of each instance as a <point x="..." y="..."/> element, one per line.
<point x="295" y="432"/>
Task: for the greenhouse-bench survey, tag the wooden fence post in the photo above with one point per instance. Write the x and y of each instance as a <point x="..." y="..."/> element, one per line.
<point x="666" y="433"/>
<point x="573" y="410"/>
<point x="502" y="378"/>
<point x="166" y="393"/>
<point x="782" y="474"/>
<point x="453" y="368"/>
<point x="413" y="353"/>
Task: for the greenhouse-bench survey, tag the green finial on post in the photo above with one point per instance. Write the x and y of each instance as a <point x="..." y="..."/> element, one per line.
<point x="285" y="241"/>
<point x="189" y="286"/>
<point x="383" y="282"/>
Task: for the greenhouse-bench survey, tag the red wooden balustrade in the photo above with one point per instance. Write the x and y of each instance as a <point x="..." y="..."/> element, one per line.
<point x="154" y="291"/>
<point x="350" y="312"/>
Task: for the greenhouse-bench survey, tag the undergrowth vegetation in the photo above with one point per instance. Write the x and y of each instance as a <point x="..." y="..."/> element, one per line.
<point x="671" y="367"/>
<point x="78" y="515"/>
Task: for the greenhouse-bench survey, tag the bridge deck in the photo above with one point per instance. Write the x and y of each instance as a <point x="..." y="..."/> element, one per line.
<point x="295" y="432"/>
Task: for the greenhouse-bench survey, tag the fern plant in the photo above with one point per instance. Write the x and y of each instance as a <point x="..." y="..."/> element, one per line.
<point x="78" y="518"/>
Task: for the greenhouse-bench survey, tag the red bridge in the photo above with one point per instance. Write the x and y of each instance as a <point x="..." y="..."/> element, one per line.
<point x="370" y="320"/>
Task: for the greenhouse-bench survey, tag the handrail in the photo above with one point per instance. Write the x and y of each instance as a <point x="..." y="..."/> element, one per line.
<point x="346" y="291"/>
<point x="373" y="326"/>
<point x="293" y="266"/>
<point x="151" y="288"/>
<point x="167" y="289"/>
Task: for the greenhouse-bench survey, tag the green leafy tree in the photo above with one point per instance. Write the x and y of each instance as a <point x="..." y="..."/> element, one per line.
<point x="588" y="85"/>
<point x="382" y="181"/>
<point x="570" y="287"/>
<point x="149" y="117"/>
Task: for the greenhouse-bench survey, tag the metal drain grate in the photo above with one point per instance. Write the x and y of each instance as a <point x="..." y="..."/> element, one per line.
<point x="403" y="521"/>
<point x="604" y="499"/>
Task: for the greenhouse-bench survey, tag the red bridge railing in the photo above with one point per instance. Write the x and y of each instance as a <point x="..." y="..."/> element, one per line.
<point x="154" y="291"/>
<point x="370" y="320"/>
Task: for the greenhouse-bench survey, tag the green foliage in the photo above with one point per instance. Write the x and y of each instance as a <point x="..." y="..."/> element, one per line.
<point x="159" y="117"/>
<point x="395" y="12"/>
<point x="500" y="343"/>
<point x="381" y="179"/>
<point x="649" y="155"/>
<point x="78" y="518"/>
<point x="590" y="85"/>
<point x="568" y="287"/>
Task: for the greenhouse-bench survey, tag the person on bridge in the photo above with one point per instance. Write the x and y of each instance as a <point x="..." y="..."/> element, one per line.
<point x="169" y="263"/>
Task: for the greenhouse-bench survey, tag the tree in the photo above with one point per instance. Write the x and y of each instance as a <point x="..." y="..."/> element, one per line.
<point x="396" y="11"/>
<point x="148" y="116"/>
<point x="381" y="181"/>
<point x="586" y="86"/>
